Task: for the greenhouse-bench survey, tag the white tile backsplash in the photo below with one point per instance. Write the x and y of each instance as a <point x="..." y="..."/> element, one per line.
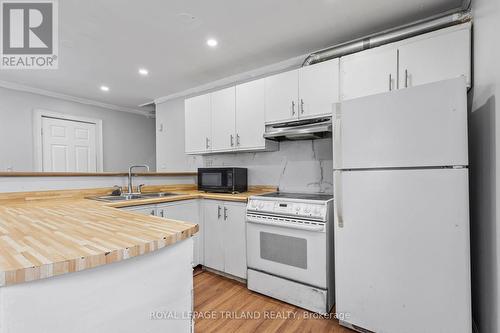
<point x="300" y="166"/>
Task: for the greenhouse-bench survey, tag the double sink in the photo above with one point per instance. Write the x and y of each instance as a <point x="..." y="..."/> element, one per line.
<point x="126" y="197"/>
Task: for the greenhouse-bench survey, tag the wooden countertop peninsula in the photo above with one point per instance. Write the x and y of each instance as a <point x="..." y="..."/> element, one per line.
<point x="49" y="233"/>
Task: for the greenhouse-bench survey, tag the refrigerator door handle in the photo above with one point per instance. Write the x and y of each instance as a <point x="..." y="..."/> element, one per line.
<point x="337" y="136"/>
<point x="337" y="198"/>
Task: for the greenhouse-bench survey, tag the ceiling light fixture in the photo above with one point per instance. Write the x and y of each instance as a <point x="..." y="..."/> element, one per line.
<point x="143" y="71"/>
<point x="104" y="88"/>
<point x="212" y="42"/>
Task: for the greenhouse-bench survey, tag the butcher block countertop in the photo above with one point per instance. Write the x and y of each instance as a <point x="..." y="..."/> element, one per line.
<point x="50" y="233"/>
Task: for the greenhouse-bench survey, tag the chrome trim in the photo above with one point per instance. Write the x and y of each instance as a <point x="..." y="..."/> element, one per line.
<point x="297" y="130"/>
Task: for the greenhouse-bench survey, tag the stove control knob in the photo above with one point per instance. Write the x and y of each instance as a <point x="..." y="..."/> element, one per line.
<point x="307" y="210"/>
<point x="253" y="204"/>
<point x="317" y="211"/>
<point x="261" y="205"/>
<point x="297" y="209"/>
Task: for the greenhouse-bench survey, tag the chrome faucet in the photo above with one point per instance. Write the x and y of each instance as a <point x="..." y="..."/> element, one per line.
<point x="130" y="188"/>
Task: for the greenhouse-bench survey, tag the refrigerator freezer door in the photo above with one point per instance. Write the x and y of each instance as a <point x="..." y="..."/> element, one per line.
<point x="415" y="127"/>
<point x="402" y="254"/>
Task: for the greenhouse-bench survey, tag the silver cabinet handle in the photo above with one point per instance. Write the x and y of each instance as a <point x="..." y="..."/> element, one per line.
<point x="301" y="106"/>
<point x="225" y="213"/>
<point x="232" y="140"/>
<point x="293" y="108"/>
<point x="206" y="143"/>
<point x="390" y="82"/>
<point x="162" y="213"/>
<point x="406" y="78"/>
<point x="237" y="139"/>
<point x="218" y="212"/>
<point x="152" y="212"/>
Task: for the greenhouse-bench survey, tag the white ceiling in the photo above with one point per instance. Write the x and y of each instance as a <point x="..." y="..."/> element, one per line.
<point x="106" y="41"/>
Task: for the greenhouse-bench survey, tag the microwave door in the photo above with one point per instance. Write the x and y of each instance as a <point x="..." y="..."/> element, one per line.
<point x="212" y="179"/>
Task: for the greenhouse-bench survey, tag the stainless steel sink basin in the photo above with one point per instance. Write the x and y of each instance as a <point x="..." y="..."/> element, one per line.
<point x="126" y="197"/>
<point x="157" y="195"/>
<point x="122" y="197"/>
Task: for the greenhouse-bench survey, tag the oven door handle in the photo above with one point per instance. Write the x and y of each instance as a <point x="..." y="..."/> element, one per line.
<point x="286" y="225"/>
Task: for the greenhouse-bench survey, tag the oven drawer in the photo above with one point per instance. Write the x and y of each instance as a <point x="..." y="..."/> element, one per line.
<point x="307" y="297"/>
<point x="291" y="253"/>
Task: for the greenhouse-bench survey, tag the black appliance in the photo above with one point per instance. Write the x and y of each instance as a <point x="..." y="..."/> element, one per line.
<point x="225" y="180"/>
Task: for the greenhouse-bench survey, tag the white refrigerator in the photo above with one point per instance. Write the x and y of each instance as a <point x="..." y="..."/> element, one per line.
<point x="402" y="253"/>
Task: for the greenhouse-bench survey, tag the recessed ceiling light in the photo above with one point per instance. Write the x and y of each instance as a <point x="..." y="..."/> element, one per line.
<point x="212" y="42"/>
<point x="143" y="71"/>
<point x="104" y="88"/>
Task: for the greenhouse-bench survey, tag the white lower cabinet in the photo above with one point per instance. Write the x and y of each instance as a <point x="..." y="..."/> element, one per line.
<point x="143" y="209"/>
<point x="186" y="211"/>
<point x="225" y="237"/>
<point x="214" y="248"/>
<point x="235" y="250"/>
<point x="220" y="243"/>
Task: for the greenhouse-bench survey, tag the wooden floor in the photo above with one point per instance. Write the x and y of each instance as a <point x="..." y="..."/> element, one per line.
<point x="225" y="305"/>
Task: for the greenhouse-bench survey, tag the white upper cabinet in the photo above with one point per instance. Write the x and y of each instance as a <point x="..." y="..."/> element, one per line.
<point x="368" y="72"/>
<point x="223" y="104"/>
<point x="282" y="91"/>
<point x="197" y="124"/>
<point x="444" y="56"/>
<point x="250" y="115"/>
<point x="435" y="56"/>
<point x="318" y="88"/>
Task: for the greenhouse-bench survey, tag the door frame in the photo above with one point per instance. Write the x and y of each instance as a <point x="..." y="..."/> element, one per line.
<point x="38" y="114"/>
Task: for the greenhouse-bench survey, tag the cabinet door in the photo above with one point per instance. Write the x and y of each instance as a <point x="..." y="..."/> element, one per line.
<point x="281" y="96"/>
<point x="186" y="211"/>
<point x="144" y="210"/>
<point x="223" y="119"/>
<point x="434" y="59"/>
<point x="250" y="115"/>
<point x="318" y="88"/>
<point x="213" y="222"/>
<point x="369" y="72"/>
<point x="197" y="124"/>
<point x="235" y="239"/>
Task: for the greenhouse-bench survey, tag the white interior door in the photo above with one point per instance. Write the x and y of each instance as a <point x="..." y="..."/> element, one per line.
<point x="369" y="72"/>
<point x="250" y="114"/>
<point x="223" y="105"/>
<point x="402" y="260"/>
<point x="318" y="88"/>
<point x="68" y="146"/>
<point x="420" y="126"/>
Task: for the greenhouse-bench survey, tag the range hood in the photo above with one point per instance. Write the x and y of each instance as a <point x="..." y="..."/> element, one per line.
<point x="316" y="128"/>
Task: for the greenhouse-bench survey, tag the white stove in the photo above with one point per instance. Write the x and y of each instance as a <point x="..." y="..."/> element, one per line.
<point x="290" y="248"/>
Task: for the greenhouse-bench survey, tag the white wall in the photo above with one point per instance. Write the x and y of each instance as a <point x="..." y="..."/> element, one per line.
<point x="170" y="138"/>
<point x="128" y="138"/>
<point x="304" y="166"/>
<point x="484" y="151"/>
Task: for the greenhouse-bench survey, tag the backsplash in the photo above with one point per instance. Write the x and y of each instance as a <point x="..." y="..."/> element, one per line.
<point x="298" y="166"/>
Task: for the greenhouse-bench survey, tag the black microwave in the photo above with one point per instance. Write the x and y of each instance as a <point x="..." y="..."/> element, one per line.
<point x="226" y="180"/>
